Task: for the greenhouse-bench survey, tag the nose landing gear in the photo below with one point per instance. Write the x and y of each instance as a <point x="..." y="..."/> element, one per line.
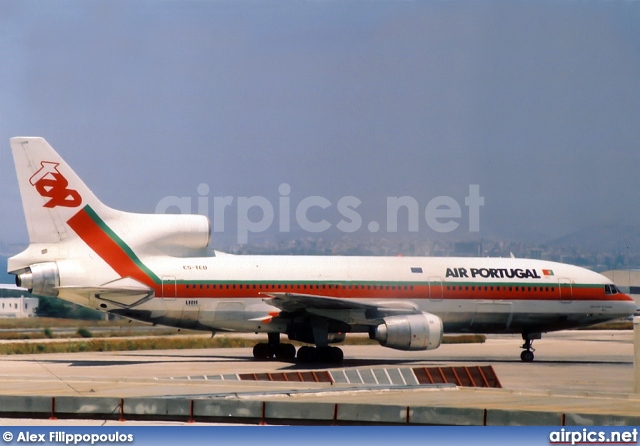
<point x="527" y="354"/>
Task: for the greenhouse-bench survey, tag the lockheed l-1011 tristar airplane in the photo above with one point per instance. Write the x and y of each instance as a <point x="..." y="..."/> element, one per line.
<point x="154" y="268"/>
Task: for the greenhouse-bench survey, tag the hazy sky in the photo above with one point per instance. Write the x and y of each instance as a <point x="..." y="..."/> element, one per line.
<point x="538" y="103"/>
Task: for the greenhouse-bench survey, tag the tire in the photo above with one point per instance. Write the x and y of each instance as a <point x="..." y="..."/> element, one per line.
<point x="527" y="356"/>
<point x="335" y="355"/>
<point x="262" y="351"/>
<point x="285" y="352"/>
<point x="332" y="355"/>
<point x="307" y="354"/>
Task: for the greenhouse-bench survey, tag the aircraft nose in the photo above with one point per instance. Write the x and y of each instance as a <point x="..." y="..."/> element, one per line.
<point x="628" y="304"/>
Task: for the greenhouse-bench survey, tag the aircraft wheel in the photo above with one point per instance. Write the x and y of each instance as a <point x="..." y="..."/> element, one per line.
<point x="332" y="355"/>
<point x="526" y="356"/>
<point x="262" y="351"/>
<point x="307" y="354"/>
<point x="335" y="355"/>
<point x="285" y="351"/>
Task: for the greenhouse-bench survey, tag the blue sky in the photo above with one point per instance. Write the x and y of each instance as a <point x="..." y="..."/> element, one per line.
<point x="536" y="102"/>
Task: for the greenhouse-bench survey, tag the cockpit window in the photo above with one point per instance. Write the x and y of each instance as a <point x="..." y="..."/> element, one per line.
<point x="611" y="289"/>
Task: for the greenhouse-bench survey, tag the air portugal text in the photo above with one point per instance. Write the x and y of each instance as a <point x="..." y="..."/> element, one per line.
<point x="494" y="273"/>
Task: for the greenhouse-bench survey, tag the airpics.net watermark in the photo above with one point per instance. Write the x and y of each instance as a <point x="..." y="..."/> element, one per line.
<point x="257" y="214"/>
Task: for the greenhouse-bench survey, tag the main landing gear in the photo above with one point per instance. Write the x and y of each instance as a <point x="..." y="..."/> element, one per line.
<point x="320" y="354"/>
<point x="527" y="354"/>
<point x="274" y="349"/>
<point x="287" y="352"/>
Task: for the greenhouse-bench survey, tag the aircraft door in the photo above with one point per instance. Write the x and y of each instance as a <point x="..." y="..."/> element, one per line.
<point x="565" y="290"/>
<point x="435" y="288"/>
<point x="169" y="288"/>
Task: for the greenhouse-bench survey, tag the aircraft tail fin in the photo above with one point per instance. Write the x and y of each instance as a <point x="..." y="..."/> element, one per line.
<point x="51" y="191"/>
<point x="58" y="206"/>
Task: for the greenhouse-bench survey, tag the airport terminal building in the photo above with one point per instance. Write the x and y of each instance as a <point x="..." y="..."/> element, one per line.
<point x="14" y="304"/>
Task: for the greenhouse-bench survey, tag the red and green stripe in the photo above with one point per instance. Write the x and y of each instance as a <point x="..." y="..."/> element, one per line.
<point x="111" y="248"/>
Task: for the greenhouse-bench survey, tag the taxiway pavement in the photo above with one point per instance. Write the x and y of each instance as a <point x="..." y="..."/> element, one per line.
<point x="574" y="371"/>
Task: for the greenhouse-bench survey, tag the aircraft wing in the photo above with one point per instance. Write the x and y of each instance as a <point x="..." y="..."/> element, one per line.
<point x="346" y="310"/>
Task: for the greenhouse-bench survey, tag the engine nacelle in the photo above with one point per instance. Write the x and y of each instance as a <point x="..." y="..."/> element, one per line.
<point x="411" y="332"/>
<point x="41" y="279"/>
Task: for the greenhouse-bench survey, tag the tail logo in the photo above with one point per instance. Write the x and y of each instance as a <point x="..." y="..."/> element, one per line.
<point x="50" y="183"/>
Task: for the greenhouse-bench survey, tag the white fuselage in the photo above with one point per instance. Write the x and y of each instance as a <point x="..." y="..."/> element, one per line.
<point x="228" y="292"/>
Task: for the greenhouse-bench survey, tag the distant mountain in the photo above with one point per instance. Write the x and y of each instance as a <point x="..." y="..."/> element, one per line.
<point x="602" y="239"/>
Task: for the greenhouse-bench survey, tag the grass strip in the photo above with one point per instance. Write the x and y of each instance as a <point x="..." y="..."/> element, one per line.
<point x="170" y="343"/>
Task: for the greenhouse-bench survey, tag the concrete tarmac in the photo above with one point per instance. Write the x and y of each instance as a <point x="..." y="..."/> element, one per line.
<point x="574" y="371"/>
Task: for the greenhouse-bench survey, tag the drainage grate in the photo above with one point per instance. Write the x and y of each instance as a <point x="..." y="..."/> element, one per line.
<point x="472" y="376"/>
<point x="476" y="376"/>
<point x="317" y="376"/>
